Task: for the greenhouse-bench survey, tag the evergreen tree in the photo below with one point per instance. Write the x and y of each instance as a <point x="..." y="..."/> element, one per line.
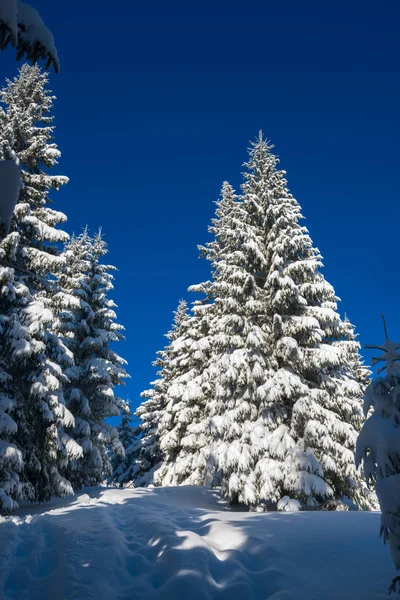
<point x="277" y="400"/>
<point x="215" y="357"/>
<point x="86" y="322"/>
<point x="11" y="461"/>
<point x="182" y="427"/>
<point x="71" y="310"/>
<point x="314" y="394"/>
<point x="239" y="362"/>
<point x="57" y="369"/>
<point x="378" y="445"/>
<point x="36" y="357"/>
<point x="144" y="455"/>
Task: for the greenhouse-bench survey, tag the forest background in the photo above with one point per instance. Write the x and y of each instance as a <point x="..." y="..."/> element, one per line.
<point x="149" y="131"/>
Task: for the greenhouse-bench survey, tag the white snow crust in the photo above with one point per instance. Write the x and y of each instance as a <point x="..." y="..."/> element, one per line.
<point x="170" y="543"/>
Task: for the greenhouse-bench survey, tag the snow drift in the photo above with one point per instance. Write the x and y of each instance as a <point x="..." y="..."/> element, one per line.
<point x="170" y="543"/>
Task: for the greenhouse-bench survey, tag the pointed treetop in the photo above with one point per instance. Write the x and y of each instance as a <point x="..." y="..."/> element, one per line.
<point x="262" y="142"/>
<point x="99" y="237"/>
<point x="180" y="316"/>
<point x="182" y="307"/>
<point x="261" y="161"/>
<point x="80" y="238"/>
<point x="99" y="244"/>
<point x="226" y="187"/>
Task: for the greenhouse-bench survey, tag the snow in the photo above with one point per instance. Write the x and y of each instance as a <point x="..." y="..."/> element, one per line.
<point x="288" y="505"/>
<point x="35" y="36"/>
<point x="22" y="25"/>
<point x="186" y="542"/>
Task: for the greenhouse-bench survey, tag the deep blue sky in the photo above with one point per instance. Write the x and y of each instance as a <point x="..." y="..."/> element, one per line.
<point x="156" y="105"/>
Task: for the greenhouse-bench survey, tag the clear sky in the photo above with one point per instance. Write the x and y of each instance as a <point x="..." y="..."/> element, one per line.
<point x="157" y="102"/>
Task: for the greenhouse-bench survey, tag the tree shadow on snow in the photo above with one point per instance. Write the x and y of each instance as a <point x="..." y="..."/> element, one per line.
<point x="175" y="543"/>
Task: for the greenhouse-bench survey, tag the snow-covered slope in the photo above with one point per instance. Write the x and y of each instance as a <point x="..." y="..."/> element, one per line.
<point x="183" y="543"/>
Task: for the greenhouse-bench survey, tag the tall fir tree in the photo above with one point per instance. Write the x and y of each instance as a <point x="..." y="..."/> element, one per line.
<point x="71" y="310"/>
<point x="315" y="395"/>
<point x="12" y="296"/>
<point x="277" y="404"/>
<point x="37" y="358"/>
<point x="205" y="403"/>
<point x="239" y="361"/>
<point x="86" y="323"/>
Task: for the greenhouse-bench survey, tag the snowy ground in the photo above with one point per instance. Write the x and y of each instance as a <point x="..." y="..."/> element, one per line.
<point x="185" y="543"/>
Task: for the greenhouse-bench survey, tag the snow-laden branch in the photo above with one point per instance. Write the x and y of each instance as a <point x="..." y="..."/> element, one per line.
<point x="22" y="26"/>
<point x="378" y="445"/>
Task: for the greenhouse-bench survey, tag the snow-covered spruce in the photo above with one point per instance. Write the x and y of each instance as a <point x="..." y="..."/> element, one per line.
<point x="22" y="26"/>
<point x="378" y="445"/>
<point x="159" y="431"/>
<point x="86" y="324"/>
<point x="313" y="400"/>
<point x="11" y="295"/>
<point x="11" y="462"/>
<point x="239" y="362"/>
<point x="275" y="400"/>
<point x="182" y="432"/>
<point x="36" y="357"/>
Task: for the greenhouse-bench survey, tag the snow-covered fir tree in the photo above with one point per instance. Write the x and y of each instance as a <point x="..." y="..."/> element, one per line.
<point x="314" y="397"/>
<point x="144" y="455"/>
<point x="276" y="398"/>
<point x="239" y="361"/>
<point x="183" y="427"/>
<point x="86" y="323"/>
<point x="378" y="445"/>
<point x="186" y="430"/>
<point x="36" y="357"/>
<point x="219" y="360"/>
<point x="12" y="296"/>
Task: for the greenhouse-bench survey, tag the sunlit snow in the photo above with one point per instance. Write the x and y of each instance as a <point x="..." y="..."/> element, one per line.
<point x="185" y="542"/>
